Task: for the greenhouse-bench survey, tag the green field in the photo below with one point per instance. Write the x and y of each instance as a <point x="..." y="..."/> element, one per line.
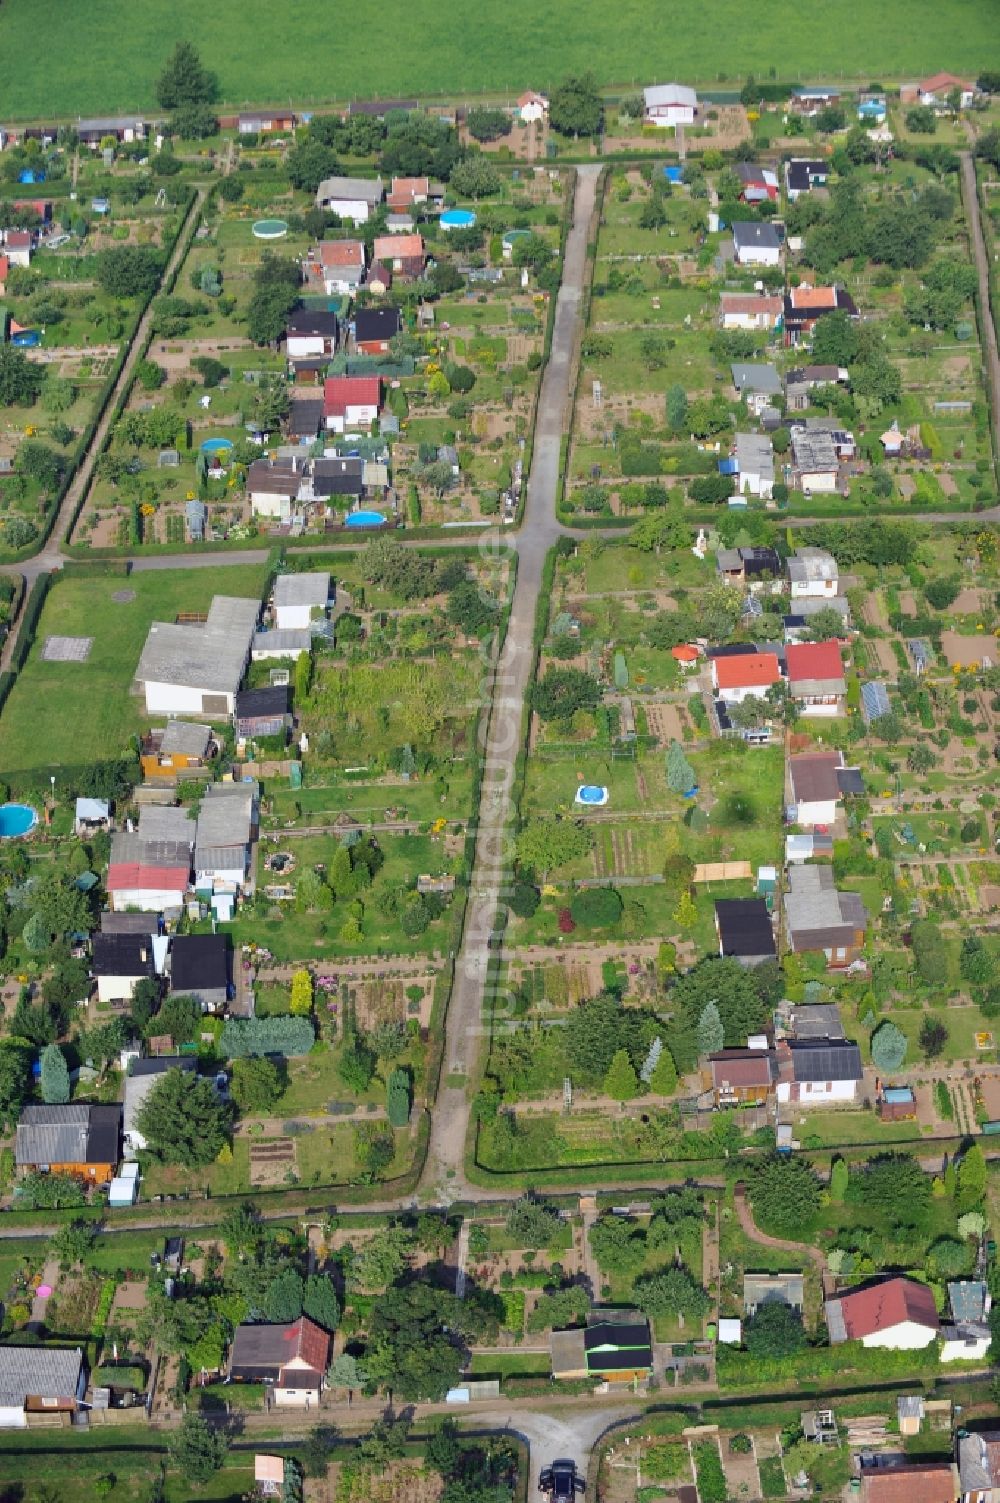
<point x="60" y="50"/>
<point x="69" y="714"/>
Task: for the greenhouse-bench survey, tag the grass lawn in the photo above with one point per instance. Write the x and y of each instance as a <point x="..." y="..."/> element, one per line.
<point x="511" y="1364"/>
<point x="262" y="52"/>
<point x="962" y="1023"/>
<point x="72" y="1463"/>
<point x="221" y="1179"/>
<point x="74" y="713"/>
<point x="842" y="1128"/>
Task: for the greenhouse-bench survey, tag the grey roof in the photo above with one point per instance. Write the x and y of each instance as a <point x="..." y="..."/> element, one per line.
<point x="38" y="1372"/>
<point x="186" y="738"/>
<point x="216" y="858"/>
<point x="669" y="93"/>
<point x="813" y="903"/>
<point x="209" y="657"/>
<point x="311" y="589"/>
<point x="145" y="1074"/>
<point x="910" y="1406"/>
<point x="568" y="1351"/>
<point x="127" y="848"/>
<point x="756" y="233"/>
<point x="755" y="454"/>
<point x="110" y="123"/>
<point x="835" y="1324"/>
<point x="818" y="1059"/>
<point x="808" y="564"/>
<point x="755" y="376"/>
<point x="92" y="809"/>
<point x="979" y="1461"/>
<point x="129" y="923"/>
<point x="818" y="1020"/>
<point x="813" y="450"/>
<point x="225" y="818"/>
<point x="167" y="822"/>
<point x="369" y="189"/>
<point x="288" y="639"/>
<point x="811" y="605"/>
<point x="68" y="1135"/>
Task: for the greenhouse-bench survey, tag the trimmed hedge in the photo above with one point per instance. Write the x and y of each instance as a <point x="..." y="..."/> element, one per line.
<point x="245" y="1037"/>
<point x="29" y="620"/>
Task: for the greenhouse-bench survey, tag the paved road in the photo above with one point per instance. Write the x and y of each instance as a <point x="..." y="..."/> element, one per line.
<point x="508" y="685"/>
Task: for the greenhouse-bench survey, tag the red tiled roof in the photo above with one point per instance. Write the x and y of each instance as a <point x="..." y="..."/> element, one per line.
<point x="885" y="1305"/>
<point x="4" y="267"/>
<point x="943" y="81"/>
<point x="410" y="187"/>
<point x="309" y="1343"/>
<point x="341" y="392"/>
<point x="126" y="876"/>
<point x="399" y="247"/>
<point x="922" y="1482"/>
<point x="684" y="653"/>
<point x="751" y="670"/>
<point x="750" y="302"/>
<point x="813" y="297"/>
<point x="18" y="239"/>
<point x="813" y="660"/>
<point x="341" y="253"/>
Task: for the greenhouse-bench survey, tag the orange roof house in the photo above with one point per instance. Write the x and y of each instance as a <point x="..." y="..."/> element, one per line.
<point x="734" y="677"/>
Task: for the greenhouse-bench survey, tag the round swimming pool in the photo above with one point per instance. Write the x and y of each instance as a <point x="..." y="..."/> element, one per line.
<point x="512" y="235"/>
<point x="270" y="229"/>
<point x="216" y="445"/>
<point x="16" y="820"/>
<point x="364" y="519"/>
<point x="457" y="219"/>
<point x="591" y="793"/>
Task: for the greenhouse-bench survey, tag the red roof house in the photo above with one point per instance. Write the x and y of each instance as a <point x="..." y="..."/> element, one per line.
<point x="750" y="673"/>
<point x="351" y="401"/>
<point x="910" y="1482"/>
<point x="816" y="676"/>
<point x="935" y="90"/>
<point x="897" y="1313"/>
<point x="150" y="888"/>
<point x="292" y="1357"/>
<point x="403" y="254"/>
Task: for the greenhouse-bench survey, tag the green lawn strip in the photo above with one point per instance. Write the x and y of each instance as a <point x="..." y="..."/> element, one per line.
<point x="511" y="1364"/>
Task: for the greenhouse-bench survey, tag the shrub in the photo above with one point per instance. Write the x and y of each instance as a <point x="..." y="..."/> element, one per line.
<point x="596" y="907"/>
<point x="287" y="1035"/>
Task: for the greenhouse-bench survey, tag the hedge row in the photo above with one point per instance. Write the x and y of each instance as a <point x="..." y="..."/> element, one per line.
<point x="29" y="620"/>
